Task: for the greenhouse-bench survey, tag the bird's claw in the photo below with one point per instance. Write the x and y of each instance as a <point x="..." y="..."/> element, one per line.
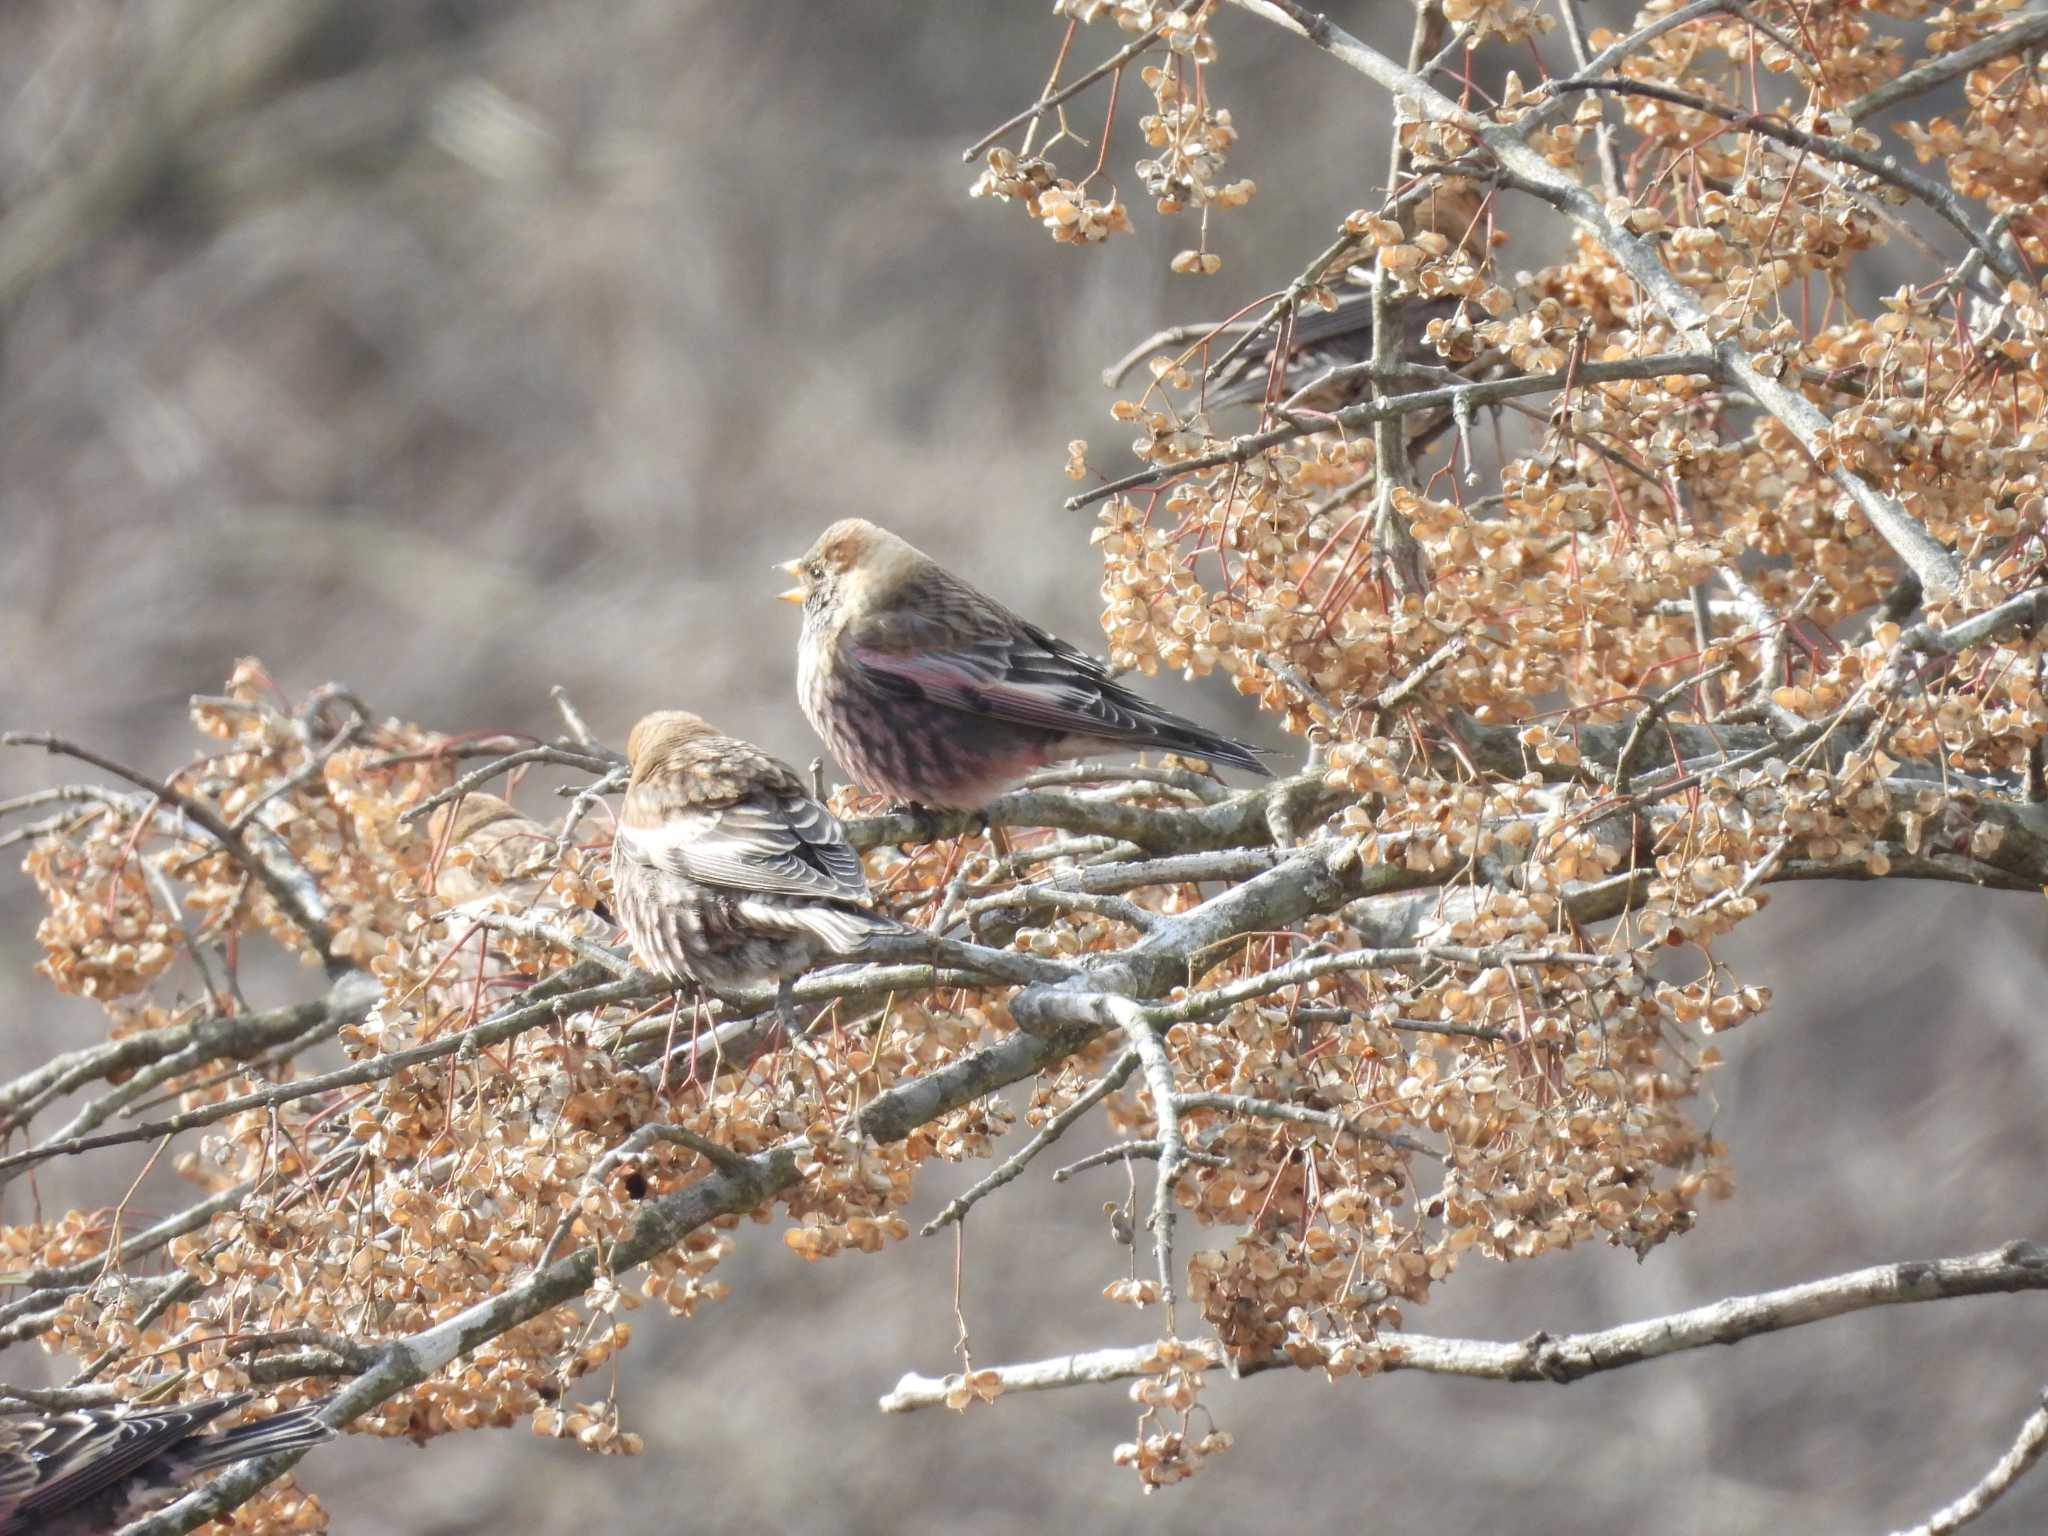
<point x="922" y="818"/>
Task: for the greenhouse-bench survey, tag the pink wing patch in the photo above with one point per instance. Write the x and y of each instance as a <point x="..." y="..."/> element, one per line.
<point x="980" y="683"/>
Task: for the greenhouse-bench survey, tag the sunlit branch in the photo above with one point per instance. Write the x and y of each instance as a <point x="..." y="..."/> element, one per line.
<point x="1564" y="1358"/>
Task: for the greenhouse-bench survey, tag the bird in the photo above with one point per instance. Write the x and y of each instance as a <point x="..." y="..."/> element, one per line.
<point x="494" y="860"/>
<point x="726" y="871"/>
<point x="1325" y="350"/>
<point x="935" y="694"/>
<point x="501" y="849"/>
<point x="89" y="1471"/>
<point x="1322" y="346"/>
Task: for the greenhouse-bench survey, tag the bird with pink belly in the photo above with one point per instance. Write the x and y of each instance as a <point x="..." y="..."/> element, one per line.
<point x="936" y="694"/>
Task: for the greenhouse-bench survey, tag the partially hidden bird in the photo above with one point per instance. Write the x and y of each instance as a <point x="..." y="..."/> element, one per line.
<point x="1321" y="351"/>
<point x="726" y="871"/>
<point x="487" y="846"/>
<point x="934" y="693"/>
<point x="492" y="859"/>
<point x="90" y="1471"/>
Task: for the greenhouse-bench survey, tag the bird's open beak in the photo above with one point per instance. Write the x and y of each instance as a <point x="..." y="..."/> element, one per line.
<point x="790" y="568"/>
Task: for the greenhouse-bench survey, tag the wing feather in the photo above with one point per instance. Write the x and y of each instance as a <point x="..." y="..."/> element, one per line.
<point x="85" y="1454"/>
<point x="1031" y="678"/>
<point x="768" y="844"/>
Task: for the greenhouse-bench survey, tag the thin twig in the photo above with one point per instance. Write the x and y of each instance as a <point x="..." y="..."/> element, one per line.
<point x="958" y="1207"/>
<point x="1523" y="167"/>
<point x="1149" y="1148"/>
<point x="561" y="755"/>
<point x="1365" y="412"/>
<point x="2025" y="1450"/>
<point x="1067" y="93"/>
<point x="285" y="892"/>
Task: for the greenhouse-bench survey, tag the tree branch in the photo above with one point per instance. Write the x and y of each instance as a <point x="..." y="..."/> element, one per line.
<point x="1366" y="412"/>
<point x="2007" y="1470"/>
<point x="300" y="904"/>
<point x="1573" y="1357"/>
<point x="1523" y="167"/>
<point x="2024" y="32"/>
<point x="957" y="1208"/>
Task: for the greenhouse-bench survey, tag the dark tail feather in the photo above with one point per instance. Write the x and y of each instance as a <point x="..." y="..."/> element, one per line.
<point x="295" y="1429"/>
<point x="1177" y="734"/>
<point x="1223" y="749"/>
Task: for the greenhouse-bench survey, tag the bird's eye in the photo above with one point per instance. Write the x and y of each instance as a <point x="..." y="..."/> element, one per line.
<point x="815" y="570"/>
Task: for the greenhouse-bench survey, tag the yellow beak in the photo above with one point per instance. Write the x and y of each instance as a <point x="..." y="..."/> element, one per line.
<point x="790" y="568"/>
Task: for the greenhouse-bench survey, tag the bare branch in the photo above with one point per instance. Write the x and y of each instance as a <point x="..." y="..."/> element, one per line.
<point x="1149" y="1148"/>
<point x="1524" y="167"/>
<point x="2024" y="32"/>
<point x="1483" y="392"/>
<point x="2008" y="1469"/>
<point x="1884" y="167"/>
<point x="1573" y="1357"/>
<point x="1066" y="93"/>
<point x="566" y="991"/>
<point x="1302" y="1114"/>
<point x="1150" y="1046"/>
<point x="561" y="755"/>
<point x="529" y="927"/>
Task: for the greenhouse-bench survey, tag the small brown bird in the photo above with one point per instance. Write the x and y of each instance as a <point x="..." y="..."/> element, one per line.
<point x="1324" y="347"/>
<point x="931" y="692"/>
<point x="495" y="860"/>
<point x="90" y="1471"/>
<point x="726" y="870"/>
<point x="486" y="845"/>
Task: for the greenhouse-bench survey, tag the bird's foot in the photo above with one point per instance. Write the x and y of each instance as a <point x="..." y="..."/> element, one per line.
<point x="921" y="816"/>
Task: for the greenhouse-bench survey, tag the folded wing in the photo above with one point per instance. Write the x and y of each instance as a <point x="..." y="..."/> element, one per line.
<point x="1028" y="677"/>
<point x="78" y="1456"/>
<point x="766" y="844"/>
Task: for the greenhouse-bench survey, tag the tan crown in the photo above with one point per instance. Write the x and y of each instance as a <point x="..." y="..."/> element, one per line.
<point x="859" y="558"/>
<point x="460" y="819"/>
<point x="658" y="735"/>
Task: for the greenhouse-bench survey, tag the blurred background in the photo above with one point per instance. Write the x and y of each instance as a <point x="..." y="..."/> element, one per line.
<point x="459" y="349"/>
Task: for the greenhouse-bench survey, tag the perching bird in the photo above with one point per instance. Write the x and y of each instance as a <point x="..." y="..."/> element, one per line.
<point x="89" y="1471"/>
<point x="726" y="870"/>
<point x="1327" y="350"/>
<point x="931" y="692"/>
<point x="485" y="846"/>
<point x="1320" y="342"/>
<point x="496" y="860"/>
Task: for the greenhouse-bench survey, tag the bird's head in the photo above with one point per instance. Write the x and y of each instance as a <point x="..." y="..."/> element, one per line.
<point x="461" y="819"/>
<point x="661" y="738"/>
<point x="851" y="559"/>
